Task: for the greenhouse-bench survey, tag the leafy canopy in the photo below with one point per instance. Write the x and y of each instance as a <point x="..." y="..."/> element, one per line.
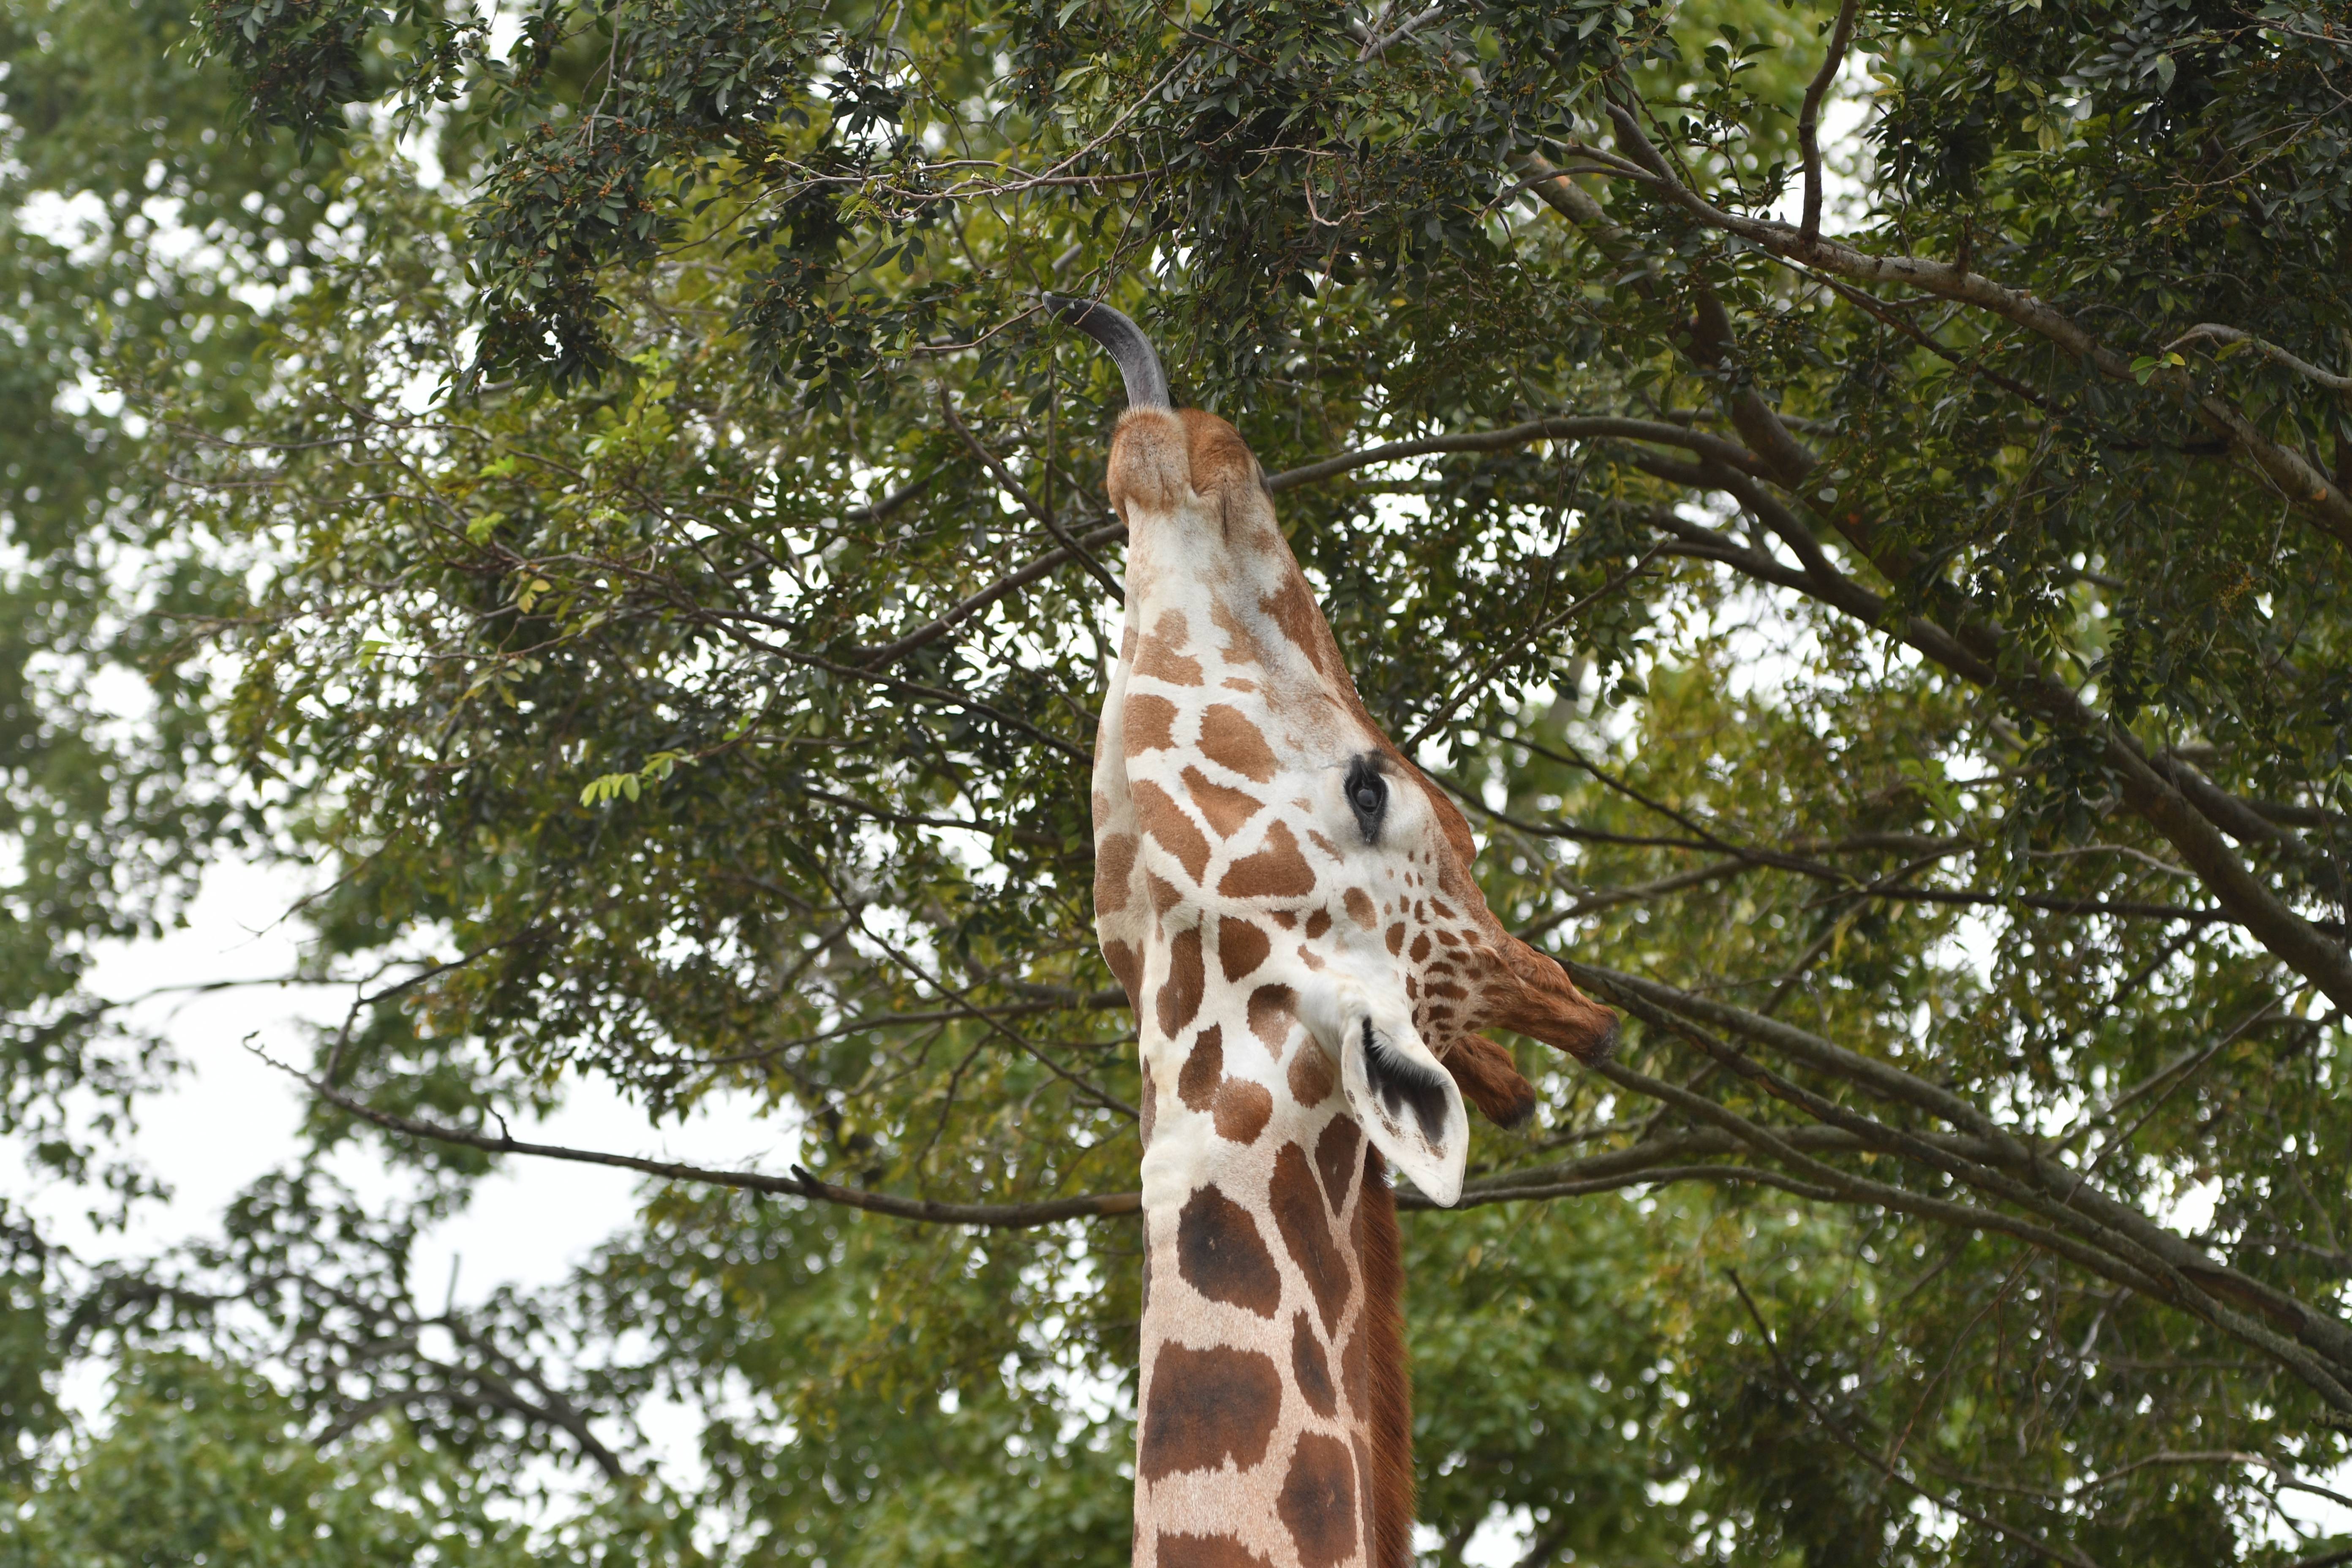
<point x="1880" y="592"/>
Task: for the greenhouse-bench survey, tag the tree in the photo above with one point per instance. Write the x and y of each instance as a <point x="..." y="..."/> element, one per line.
<point x="1883" y="601"/>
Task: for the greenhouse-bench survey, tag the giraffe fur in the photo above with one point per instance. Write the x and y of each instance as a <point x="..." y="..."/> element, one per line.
<point x="1288" y="903"/>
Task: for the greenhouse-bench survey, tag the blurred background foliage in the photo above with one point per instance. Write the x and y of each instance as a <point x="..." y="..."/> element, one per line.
<point x="589" y="482"/>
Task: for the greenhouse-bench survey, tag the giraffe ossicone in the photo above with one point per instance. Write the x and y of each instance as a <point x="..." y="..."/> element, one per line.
<point x="1288" y="902"/>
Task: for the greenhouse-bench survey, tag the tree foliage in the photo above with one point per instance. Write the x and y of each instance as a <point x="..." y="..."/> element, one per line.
<point x="601" y="493"/>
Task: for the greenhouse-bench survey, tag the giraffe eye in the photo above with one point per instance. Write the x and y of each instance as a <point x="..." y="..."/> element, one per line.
<point x="1368" y="795"/>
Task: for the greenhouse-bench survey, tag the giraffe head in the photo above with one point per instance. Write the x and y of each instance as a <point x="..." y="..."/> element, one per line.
<point x="1269" y="864"/>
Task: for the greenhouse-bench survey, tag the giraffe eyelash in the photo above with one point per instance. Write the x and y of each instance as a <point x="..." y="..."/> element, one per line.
<point x="1368" y="796"/>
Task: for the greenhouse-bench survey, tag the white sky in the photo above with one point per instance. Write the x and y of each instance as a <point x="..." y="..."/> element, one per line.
<point x="231" y="1117"/>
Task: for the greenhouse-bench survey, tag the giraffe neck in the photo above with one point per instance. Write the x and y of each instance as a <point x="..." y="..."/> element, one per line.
<point x="1274" y="939"/>
<point x="1288" y="902"/>
<point x="1274" y="1421"/>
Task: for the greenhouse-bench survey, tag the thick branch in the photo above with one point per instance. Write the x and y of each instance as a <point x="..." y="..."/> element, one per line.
<point x="2310" y="490"/>
<point x="1979" y="655"/>
<point x="2272" y="352"/>
<point x="1809" y="117"/>
<point x="1585" y="427"/>
<point x="2125" y="1239"/>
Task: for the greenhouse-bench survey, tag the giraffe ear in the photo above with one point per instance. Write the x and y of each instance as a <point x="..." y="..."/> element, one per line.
<point x="1407" y="1104"/>
<point x="1399" y="1093"/>
<point x="1537" y="999"/>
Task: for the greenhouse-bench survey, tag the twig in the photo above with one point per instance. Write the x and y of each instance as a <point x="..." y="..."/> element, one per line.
<point x="1376" y="47"/>
<point x="1846" y="1441"/>
<point x="799" y="1185"/>
<point x="2269" y="351"/>
<point x="963" y="610"/>
<point x="889" y="503"/>
<point x="1027" y="502"/>
<point x="1436" y="720"/>
<point x="906" y="961"/>
<point x="2310" y="490"/>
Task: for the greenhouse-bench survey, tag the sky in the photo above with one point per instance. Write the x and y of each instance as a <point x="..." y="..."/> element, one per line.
<point x="231" y="1116"/>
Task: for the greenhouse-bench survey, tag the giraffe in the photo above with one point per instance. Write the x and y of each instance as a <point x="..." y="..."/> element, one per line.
<point x="1287" y="901"/>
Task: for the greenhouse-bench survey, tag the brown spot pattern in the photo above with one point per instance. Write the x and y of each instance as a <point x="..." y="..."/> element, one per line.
<point x="1126" y="967"/>
<point x="1206" y="1406"/>
<point x="1206" y="1552"/>
<point x="1272" y="1010"/>
<point x="1227" y="809"/>
<point x="1180" y="993"/>
<point x="1299" y="1213"/>
<point x="1148" y="723"/>
<point x="1160" y="658"/>
<point x="1317" y="924"/>
<point x="1335" y="1156"/>
<point x="1243" y="1110"/>
<point x="1114" y="870"/>
<point x="1203" y="1069"/>
<point x="1165" y="821"/>
<point x="1360" y="909"/>
<point x="1310" y="1078"/>
<point x="1294" y="609"/>
<point x="1277" y="871"/>
<point x="1164" y="896"/>
<point x="1241" y="948"/>
<point x="1310" y="1368"/>
<point x="1220" y="1254"/>
<point x="1228" y="737"/>
<point x="1318" y="1503"/>
<point x="1356" y="1370"/>
<point x="1241" y="642"/>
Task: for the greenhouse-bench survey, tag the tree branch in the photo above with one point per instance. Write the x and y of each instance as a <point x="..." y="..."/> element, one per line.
<point x="2272" y="352"/>
<point x="799" y="1185"/>
<point x="2159" y="792"/>
<point x="1809" y="117"/>
<point x="1846" y="1441"/>
<point x="2305" y="486"/>
<point x="1028" y="503"/>
<point x="1584" y="427"/>
<point x="964" y="609"/>
<point x="2109" y="1237"/>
